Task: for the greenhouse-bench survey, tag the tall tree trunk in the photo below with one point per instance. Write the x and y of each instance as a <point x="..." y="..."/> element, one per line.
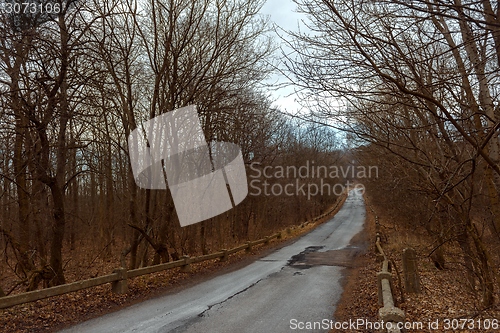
<point x="20" y="166"/>
<point x="57" y="183"/>
<point x="73" y="194"/>
<point x="56" y="261"/>
<point x="19" y="162"/>
<point x="463" y="242"/>
<point x="485" y="269"/>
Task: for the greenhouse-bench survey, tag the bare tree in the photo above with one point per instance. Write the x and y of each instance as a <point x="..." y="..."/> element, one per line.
<point x="387" y="72"/>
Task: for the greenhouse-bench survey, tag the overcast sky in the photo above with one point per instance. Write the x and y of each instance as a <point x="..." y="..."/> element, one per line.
<point x="283" y="13"/>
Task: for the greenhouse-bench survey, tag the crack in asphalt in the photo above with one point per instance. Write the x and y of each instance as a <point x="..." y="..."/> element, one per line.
<point x="202" y="314"/>
<point x="289" y="263"/>
<point x="308" y="249"/>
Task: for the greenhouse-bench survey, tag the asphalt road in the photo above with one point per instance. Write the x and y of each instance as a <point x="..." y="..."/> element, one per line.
<point x="270" y="295"/>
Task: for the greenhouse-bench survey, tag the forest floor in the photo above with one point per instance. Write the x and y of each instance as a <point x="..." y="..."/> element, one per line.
<point x="55" y="313"/>
<point x="444" y="300"/>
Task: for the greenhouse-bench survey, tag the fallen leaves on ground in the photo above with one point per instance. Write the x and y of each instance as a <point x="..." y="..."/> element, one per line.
<point x="444" y="299"/>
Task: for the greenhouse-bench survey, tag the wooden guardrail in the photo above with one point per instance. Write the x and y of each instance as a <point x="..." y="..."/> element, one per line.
<point x="388" y="313"/>
<point x="120" y="275"/>
<point x="35" y="295"/>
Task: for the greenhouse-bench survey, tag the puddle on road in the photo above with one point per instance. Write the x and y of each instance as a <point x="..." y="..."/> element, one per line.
<point x="310" y="257"/>
<point x="299" y="260"/>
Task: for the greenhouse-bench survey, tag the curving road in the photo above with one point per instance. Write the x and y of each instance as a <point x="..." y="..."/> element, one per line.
<point x="273" y="294"/>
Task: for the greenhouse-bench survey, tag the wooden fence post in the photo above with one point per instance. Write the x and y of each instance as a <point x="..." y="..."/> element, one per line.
<point x="410" y="271"/>
<point x="186" y="268"/>
<point x="120" y="286"/>
<point x="225" y="256"/>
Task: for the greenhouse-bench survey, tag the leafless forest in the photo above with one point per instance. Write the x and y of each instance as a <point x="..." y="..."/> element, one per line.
<point x="418" y="81"/>
<point x="414" y="84"/>
<point x="76" y="83"/>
